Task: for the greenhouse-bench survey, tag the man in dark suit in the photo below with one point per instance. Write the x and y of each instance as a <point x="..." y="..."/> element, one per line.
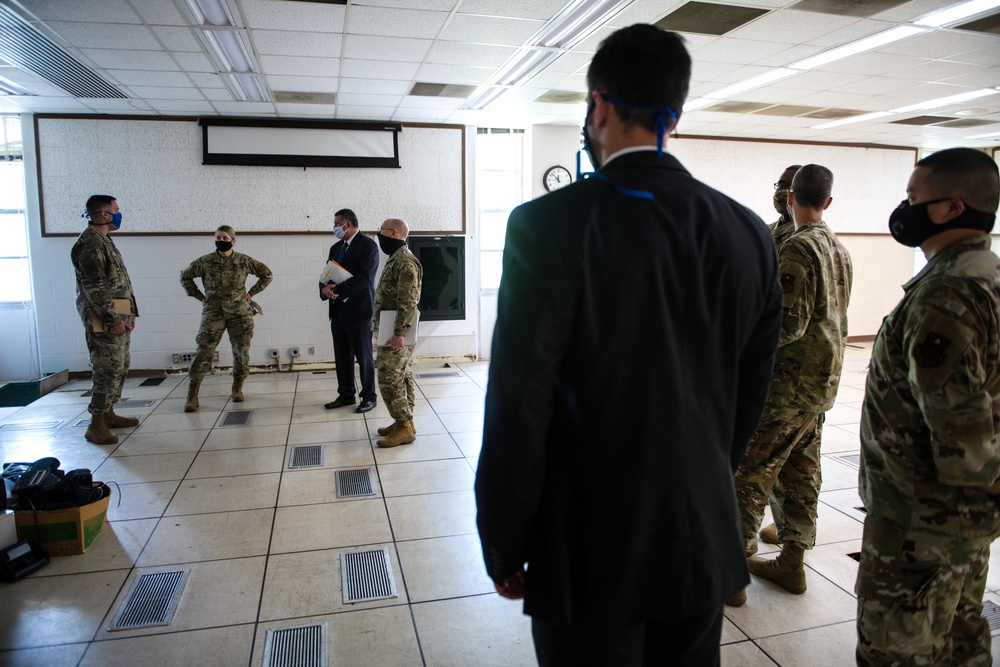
<point x="637" y="321"/>
<point x="351" y="308"/>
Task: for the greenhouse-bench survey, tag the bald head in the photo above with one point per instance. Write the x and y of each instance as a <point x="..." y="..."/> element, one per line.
<point x="397" y="225"/>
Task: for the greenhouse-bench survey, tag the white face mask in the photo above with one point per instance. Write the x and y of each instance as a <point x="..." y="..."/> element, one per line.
<point x="339" y="232"/>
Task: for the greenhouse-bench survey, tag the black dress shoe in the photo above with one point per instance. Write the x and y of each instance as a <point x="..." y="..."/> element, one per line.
<point x="340" y="402"/>
<point x="366" y="405"/>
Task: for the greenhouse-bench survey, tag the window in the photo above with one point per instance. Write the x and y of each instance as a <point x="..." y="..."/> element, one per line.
<point x="498" y="185"/>
<point x="15" y="276"/>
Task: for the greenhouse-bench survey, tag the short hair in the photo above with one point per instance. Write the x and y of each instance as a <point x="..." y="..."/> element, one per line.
<point x="227" y="229"/>
<point x="812" y="185"/>
<point x="644" y="66"/>
<point x="347" y="214"/>
<point x="399" y="225"/>
<point x="967" y="174"/>
<point x="97" y="202"/>
<point x="794" y="167"/>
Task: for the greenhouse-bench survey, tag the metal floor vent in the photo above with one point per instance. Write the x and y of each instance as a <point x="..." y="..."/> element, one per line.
<point x="237" y="418"/>
<point x="306" y="456"/>
<point x="304" y="646"/>
<point x="367" y="575"/>
<point x="130" y="403"/>
<point x="352" y="483"/>
<point x="991" y="612"/>
<point x="445" y="374"/>
<point x="82" y="422"/>
<point x="151" y="601"/>
<point x="152" y="382"/>
<point x="853" y="460"/>
<point x="31" y="426"/>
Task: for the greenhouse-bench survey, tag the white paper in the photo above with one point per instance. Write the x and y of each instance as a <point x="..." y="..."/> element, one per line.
<point x="334" y="273"/>
<point x="387" y="326"/>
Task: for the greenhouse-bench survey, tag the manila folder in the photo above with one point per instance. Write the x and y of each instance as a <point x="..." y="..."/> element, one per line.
<point x="122" y="307"/>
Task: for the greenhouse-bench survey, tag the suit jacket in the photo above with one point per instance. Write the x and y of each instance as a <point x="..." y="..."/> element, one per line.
<point x="361" y="260"/>
<point x="631" y="360"/>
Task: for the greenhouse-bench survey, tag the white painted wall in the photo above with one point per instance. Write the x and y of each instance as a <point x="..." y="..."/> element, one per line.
<point x="552" y="145"/>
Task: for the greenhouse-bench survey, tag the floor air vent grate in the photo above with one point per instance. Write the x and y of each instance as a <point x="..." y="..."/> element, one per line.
<point x="367" y="575"/>
<point x="30" y="426"/>
<point x="152" y="382"/>
<point x="308" y="456"/>
<point x="304" y="646"/>
<point x="352" y="483"/>
<point x="991" y="612"/>
<point x="237" y="418"/>
<point x="853" y="460"/>
<point x="151" y="601"/>
<point x="133" y="403"/>
<point x="446" y="374"/>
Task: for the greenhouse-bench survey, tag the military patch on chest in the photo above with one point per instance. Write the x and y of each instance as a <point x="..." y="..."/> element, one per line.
<point x="932" y="350"/>
<point x="787" y="282"/>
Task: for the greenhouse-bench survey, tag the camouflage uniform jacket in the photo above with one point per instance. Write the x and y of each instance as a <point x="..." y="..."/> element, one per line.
<point x="100" y="277"/>
<point x="399" y="289"/>
<point x="815" y="274"/>
<point x="781" y="229"/>
<point x="930" y="425"/>
<point x="225" y="279"/>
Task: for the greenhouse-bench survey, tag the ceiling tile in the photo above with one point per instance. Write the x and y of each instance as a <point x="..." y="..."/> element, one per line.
<point x="790" y="27"/>
<point x="303" y="84"/>
<point x="305" y="110"/>
<point x="349" y="112"/>
<point x="183" y="107"/>
<point x="983" y="56"/>
<point x="430" y="5"/>
<point x="360" y="99"/>
<point x="645" y="11"/>
<point x="436" y="103"/>
<point x="379" y="69"/>
<point x="164" y="93"/>
<point x="146" y="60"/>
<point x="105" y="11"/>
<point x="244" y="108"/>
<point x="299" y="66"/>
<point x="984" y="78"/>
<point x="218" y="94"/>
<point x="106" y="35"/>
<point x="144" y="78"/>
<point x="454" y="74"/>
<point x="299" y="16"/>
<point x="874" y="85"/>
<point x="941" y="44"/>
<point x="194" y="62"/>
<point x="119" y="106"/>
<point x="395" y="22"/>
<point x="815" y="80"/>
<point x="288" y="43"/>
<point x="386" y="48"/>
<point x="477" y="55"/>
<point x="531" y="9"/>
<point x="206" y="80"/>
<point x="708" y="19"/>
<point x="159" y="13"/>
<point x="737" y="51"/>
<point x="178" y="38"/>
<point x="374" y="86"/>
<point x="873" y="63"/>
<point x="490" y="30"/>
<point x="937" y="70"/>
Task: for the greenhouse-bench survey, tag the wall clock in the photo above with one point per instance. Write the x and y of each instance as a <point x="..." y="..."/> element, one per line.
<point x="556" y="177"/>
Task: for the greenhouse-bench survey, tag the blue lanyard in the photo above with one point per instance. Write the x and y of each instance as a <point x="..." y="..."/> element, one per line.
<point x="628" y="192"/>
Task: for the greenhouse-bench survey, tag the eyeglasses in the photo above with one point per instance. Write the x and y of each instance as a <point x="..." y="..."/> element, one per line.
<point x="781" y="186"/>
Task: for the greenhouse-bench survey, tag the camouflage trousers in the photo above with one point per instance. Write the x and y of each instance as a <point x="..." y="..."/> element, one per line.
<point x="395" y="381"/>
<point x="777" y="500"/>
<point x="215" y="322"/>
<point x="780" y="452"/>
<point x="921" y="613"/>
<point x="109" y="358"/>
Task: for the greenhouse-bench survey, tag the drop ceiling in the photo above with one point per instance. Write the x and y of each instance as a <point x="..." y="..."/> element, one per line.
<point x="420" y="61"/>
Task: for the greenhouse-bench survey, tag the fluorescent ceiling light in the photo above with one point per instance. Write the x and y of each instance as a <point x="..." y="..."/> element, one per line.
<point x="212" y="12"/>
<point x="484" y="97"/>
<point x="945" y="101"/>
<point x="250" y="86"/>
<point x="957" y="13"/>
<point x="698" y="103"/>
<point x="984" y="136"/>
<point x="578" y="21"/>
<point x="859" y="46"/>
<point x="752" y="82"/>
<point x="854" y="119"/>
<point x="8" y="87"/>
<point x="524" y="65"/>
<point x="229" y="47"/>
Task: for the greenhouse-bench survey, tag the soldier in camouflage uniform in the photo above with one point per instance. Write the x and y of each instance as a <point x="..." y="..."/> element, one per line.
<point x="816" y="274"/>
<point x="930" y="454"/>
<point x="227" y="307"/>
<point x="399" y="290"/>
<point x="101" y="278"/>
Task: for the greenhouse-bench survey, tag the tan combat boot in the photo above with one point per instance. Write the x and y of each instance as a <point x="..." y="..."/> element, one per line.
<point x="769" y="534"/>
<point x="192" y="402"/>
<point x="402" y="435"/>
<point x="738" y="600"/>
<point x="237" y="394"/>
<point x="117" y="421"/>
<point x="412" y="427"/>
<point x="98" y="432"/>
<point x="786" y="570"/>
<point x="386" y="430"/>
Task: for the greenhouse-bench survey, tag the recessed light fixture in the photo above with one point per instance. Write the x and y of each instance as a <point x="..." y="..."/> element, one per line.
<point x="853" y="119"/>
<point x="957" y="13"/>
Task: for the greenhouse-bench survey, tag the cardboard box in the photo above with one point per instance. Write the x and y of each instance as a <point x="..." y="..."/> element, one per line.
<point x="63" y="532"/>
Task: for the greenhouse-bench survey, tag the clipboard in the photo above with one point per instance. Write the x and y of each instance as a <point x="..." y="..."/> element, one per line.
<point x="122" y="307"/>
<point x="387" y="325"/>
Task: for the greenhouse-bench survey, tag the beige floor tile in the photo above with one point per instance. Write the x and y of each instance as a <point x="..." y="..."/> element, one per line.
<point x="832" y="562"/>
<point x="432" y="515"/>
<point x="310" y="583"/>
<point x="847" y="501"/>
<point x="453" y="404"/>
<point x="197" y="537"/>
<point x="838" y="439"/>
<point x="139" y="443"/>
<point x="225" y="462"/>
<point x="309" y="408"/>
<point x="463" y="421"/>
<point x="224" y="494"/>
<point x="149" y="468"/>
<point x="66" y="655"/>
<point x="345" y="454"/>
<point x="175" y="405"/>
<point x="730" y="633"/>
<point x="833" y="526"/>
<point x="485" y="631"/>
<point x="470" y="442"/>
<point x="443" y="567"/>
<point x="315" y="432"/>
<point x="330" y="526"/>
<point x="467" y="388"/>
<point x="256" y="396"/>
<point x="405" y="479"/>
<point x="844" y="413"/>
<point x="317" y="485"/>
<point x="140" y="501"/>
<point x="259" y="417"/>
<point x="425" y="448"/>
<point x="827" y="646"/>
<point x="745" y="654"/>
<point x="214" y="593"/>
<point x="218" y="647"/>
<point x="204" y="418"/>
<point x="837" y="474"/>
<point x="427" y="424"/>
<point x="382" y="636"/>
<point x="42" y="611"/>
<point x="247" y="436"/>
<point x="116" y="547"/>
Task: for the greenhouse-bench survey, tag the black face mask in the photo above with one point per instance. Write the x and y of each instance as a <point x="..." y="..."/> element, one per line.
<point x="587" y="146"/>
<point x="911" y="225"/>
<point x="223" y="246"/>
<point x="389" y="245"/>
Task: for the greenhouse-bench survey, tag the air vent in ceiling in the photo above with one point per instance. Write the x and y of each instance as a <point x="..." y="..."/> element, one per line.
<point x="860" y="8"/>
<point x="988" y="24"/>
<point x="737" y="107"/>
<point x="324" y="2"/>
<point x="965" y="122"/>
<point x="421" y="89"/>
<point x="305" y="98"/>
<point x="833" y="114"/>
<point x="562" y="97"/>
<point x="788" y="110"/>
<point x="707" y="19"/>
<point x="921" y="120"/>
<point x="23" y="45"/>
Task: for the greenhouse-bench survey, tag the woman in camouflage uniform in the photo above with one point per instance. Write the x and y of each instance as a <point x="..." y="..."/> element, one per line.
<point x="227" y="307"/>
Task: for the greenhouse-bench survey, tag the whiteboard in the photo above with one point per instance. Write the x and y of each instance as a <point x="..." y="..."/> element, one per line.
<point x="152" y="166"/>
<point x="868" y="182"/>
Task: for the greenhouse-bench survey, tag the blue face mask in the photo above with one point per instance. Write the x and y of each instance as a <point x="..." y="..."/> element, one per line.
<point x="339" y="232"/>
<point x="116" y="220"/>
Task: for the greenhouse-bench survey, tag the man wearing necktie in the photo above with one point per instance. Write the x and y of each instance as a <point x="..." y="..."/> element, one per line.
<point x="351" y="305"/>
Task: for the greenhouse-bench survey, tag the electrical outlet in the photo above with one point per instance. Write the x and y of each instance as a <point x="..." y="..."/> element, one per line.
<point x="312" y="351"/>
<point x="293" y="352"/>
<point x="188" y="357"/>
<point x="273" y="353"/>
